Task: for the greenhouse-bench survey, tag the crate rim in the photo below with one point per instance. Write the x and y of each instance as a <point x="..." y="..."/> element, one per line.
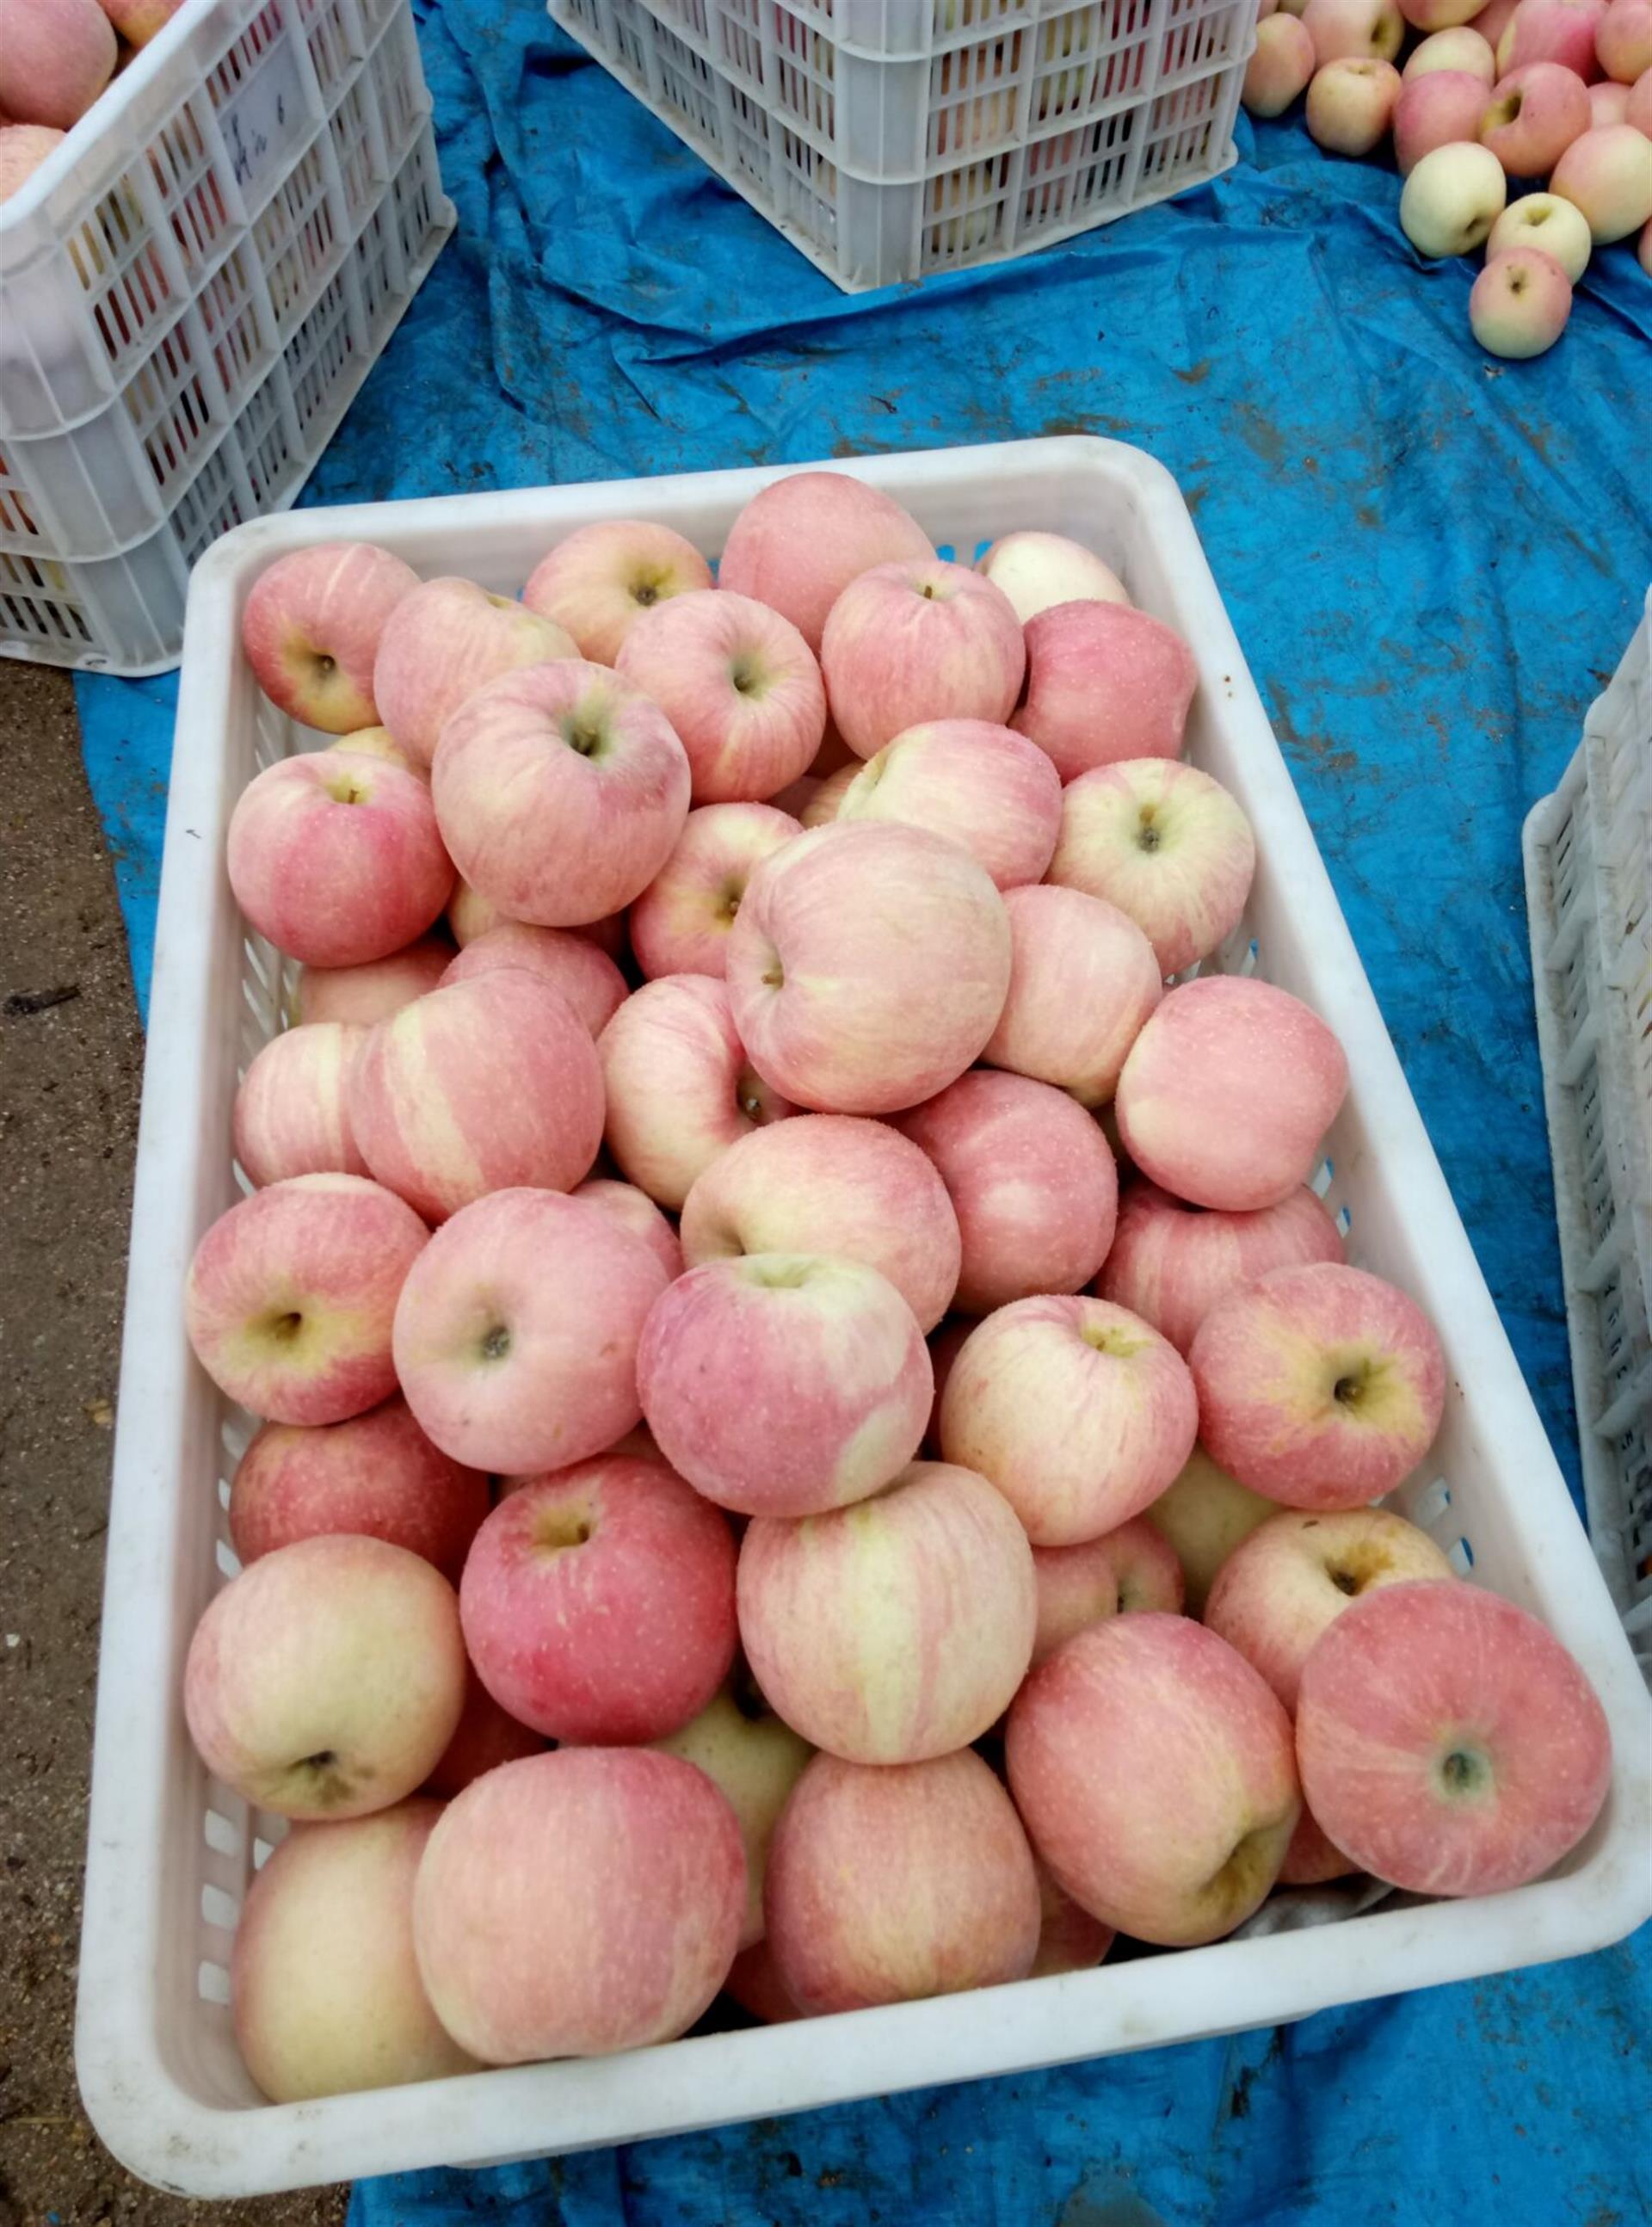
<point x="136" y="2099"/>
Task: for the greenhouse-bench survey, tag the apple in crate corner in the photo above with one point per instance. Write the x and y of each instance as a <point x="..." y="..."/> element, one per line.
<point x="1154" y="1772"/>
<point x="23" y="148"/>
<point x="1519" y="305"/>
<point x="753" y="1759"/>
<point x="1448" y="1741"/>
<point x="1554" y="227"/>
<point x="376" y="1474"/>
<point x="560" y="792"/>
<point x="1036" y="571"/>
<point x="784" y="1383"/>
<point x="634" y="1211"/>
<point x="441" y="644"/>
<point x="327" y="1679"/>
<point x="892" y="1884"/>
<point x="1228" y="1092"/>
<point x="895" y="1630"/>
<point x="1083" y="981"/>
<point x="374" y="990"/>
<point x="324" y="1986"/>
<point x="831" y="1182"/>
<point x="312" y="627"/>
<point x="1533" y="117"/>
<point x="292" y="1293"/>
<point x="1452" y="198"/>
<point x="1280" y="68"/>
<point x="1032" y="1181"/>
<point x="56" y="56"/>
<point x="1435" y="111"/>
<point x="1167" y="844"/>
<point x="138" y="20"/>
<point x="1170" y="1262"/>
<point x="597" y="1602"/>
<point x="576" y="1903"/>
<point x="602" y="579"/>
<point x="1361" y="29"/>
<point x="1079" y="1412"/>
<point x="516" y="1342"/>
<point x="915" y="642"/>
<point x="337" y="857"/>
<point x="1298" y="1573"/>
<point x="567" y="962"/>
<point x="1607" y="173"/>
<point x="1321" y="1387"/>
<point x="868" y="967"/>
<point x="982" y="786"/>
<point x="1104" y="682"/>
<point x="800" y="541"/>
<point x="290" y="1116"/>
<point x="739" y="684"/>
<point x="1352" y="103"/>
<point x="1460" y="46"/>
<point x="680" y="1086"/>
<point x="1123" y="1572"/>
<point x="1204" y="1515"/>
<point x="680" y="923"/>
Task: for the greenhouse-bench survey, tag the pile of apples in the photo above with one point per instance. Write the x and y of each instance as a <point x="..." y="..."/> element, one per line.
<point x="56" y="57"/>
<point x="926" y="1561"/>
<point x="1492" y="95"/>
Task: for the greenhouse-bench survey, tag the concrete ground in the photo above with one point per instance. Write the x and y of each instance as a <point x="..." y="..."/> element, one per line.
<point x="71" y="1061"/>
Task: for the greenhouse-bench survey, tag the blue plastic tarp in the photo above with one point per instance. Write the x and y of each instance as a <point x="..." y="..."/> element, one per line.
<point x="1433" y="561"/>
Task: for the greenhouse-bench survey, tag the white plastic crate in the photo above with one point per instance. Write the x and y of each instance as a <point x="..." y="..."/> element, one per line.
<point x="1589" y="902"/>
<point x="892" y="138"/>
<point x="171" y="1850"/>
<point x="192" y="289"/>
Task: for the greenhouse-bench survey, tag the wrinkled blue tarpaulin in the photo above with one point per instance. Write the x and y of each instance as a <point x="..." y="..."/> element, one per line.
<point x="1433" y="560"/>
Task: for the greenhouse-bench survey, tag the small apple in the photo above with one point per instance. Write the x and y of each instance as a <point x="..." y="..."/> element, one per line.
<point x="603" y="578"/>
<point x="1204" y="1515"/>
<point x="312" y="620"/>
<point x="1608" y="103"/>
<point x="1448" y="1742"/>
<point x="1163" y="843"/>
<point x="1452" y="199"/>
<point x="919" y="641"/>
<point x="1624" y="40"/>
<point x="1441" y="18"/>
<point x="1351" y="103"/>
<point x="1556" y="228"/>
<point x="1036" y="571"/>
<point x="801" y="539"/>
<point x="1520" y="303"/>
<point x="1322" y="1385"/>
<point x="740" y="686"/>
<point x="680" y="923"/>
<point x="23" y="148"/>
<point x="358" y="996"/>
<point x="484" y="1736"/>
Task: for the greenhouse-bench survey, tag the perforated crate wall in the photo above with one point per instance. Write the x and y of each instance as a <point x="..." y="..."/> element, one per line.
<point x="178" y="340"/>
<point x="891" y="138"/>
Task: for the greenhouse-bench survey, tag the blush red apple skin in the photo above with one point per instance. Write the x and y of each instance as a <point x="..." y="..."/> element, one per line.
<point x="634" y="1211"/>
<point x="1154" y="1772"/>
<point x="891" y="1884"/>
<point x="376" y="1474"/>
<point x="560" y="792"/>
<point x="1298" y="1573"/>
<point x="1321" y="1386"/>
<point x="484" y="1736"/>
<point x="359" y="996"/>
<point x="739" y="686"/>
<point x="868" y="967"/>
<point x="978" y="784"/>
<point x="831" y="1183"/>
<point x="566" y="962"/>
<point x="327" y="1679"/>
<point x="335" y="857"/>
<point x="1032" y="1182"/>
<point x="482" y="1085"/>
<point x="680" y="923"/>
<point x="289" y="1117"/>
<point x="440" y="645"/>
<point x="602" y="579"/>
<point x="576" y="1903"/>
<point x="516" y="1344"/>
<point x="680" y="1084"/>
<point x="1122" y="1573"/>
<point x="325" y="1987"/>
<point x="895" y="1630"/>
<point x="1448" y="1741"/>
<point x="597" y="1603"/>
<point x="1078" y="1411"/>
<point x="1170" y="1263"/>
<point x="1104" y="682"/>
<point x="799" y="543"/>
<point x="291" y="1295"/>
<point x="312" y="626"/>
<point x="1228" y="1091"/>
<point x="916" y="642"/>
<point x="784" y="1383"/>
<point x="1083" y="981"/>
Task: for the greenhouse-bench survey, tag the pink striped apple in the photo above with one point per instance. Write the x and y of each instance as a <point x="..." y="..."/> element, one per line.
<point x="603" y="578"/>
<point x="314" y="620"/>
<point x="289" y="1115"/>
<point x="441" y="644"/>
<point x="680" y="923"/>
<point x="374" y="990"/>
<point x="980" y="785"/>
<point x="1163" y="843"/>
<point x="1104" y="683"/>
<point x="634" y="1211"/>
<point x="1171" y="1262"/>
<point x="1036" y="571"/>
<point x="1083" y="981"/>
<point x="915" y="642"/>
<point x="754" y="1759"/>
<point x="1122" y="1573"/>
<point x="739" y="684"/>
<point x="800" y="541"/>
<point x="569" y="963"/>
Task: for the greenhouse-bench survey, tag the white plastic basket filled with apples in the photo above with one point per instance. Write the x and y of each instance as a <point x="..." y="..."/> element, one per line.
<point x="745" y="1503"/>
<point x="1493" y="99"/>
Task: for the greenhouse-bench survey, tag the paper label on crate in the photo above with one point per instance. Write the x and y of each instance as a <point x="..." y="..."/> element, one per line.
<point x="265" y="120"/>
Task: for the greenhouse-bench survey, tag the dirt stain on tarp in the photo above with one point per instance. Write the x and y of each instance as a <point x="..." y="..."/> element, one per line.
<point x="1258" y="433"/>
